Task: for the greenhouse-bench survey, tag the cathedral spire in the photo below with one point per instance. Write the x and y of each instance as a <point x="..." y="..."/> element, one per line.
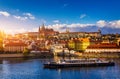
<point x="39" y="29"/>
<point x="43" y="24"/>
<point x="99" y="30"/>
<point x="43" y="27"/>
<point x="67" y="30"/>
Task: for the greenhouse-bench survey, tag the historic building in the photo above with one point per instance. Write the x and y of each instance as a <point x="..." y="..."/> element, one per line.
<point x="46" y="33"/>
<point x="103" y="48"/>
<point x="42" y="34"/>
<point x="91" y="35"/>
<point x="14" y="46"/>
<point x="79" y="44"/>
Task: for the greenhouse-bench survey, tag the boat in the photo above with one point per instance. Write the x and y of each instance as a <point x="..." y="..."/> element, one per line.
<point x="78" y="63"/>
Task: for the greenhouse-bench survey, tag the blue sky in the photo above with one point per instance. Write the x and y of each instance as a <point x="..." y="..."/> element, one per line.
<point x="78" y="15"/>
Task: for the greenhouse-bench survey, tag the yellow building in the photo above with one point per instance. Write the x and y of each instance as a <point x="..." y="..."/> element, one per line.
<point x="2" y="35"/>
<point x="71" y="44"/>
<point x="84" y="43"/>
<point x="79" y="44"/>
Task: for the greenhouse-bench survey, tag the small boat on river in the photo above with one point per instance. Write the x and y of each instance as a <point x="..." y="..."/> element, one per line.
<point x="79" y="63"/>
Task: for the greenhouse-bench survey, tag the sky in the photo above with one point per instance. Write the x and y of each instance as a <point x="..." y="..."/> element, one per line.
<point x="18" y="16"/>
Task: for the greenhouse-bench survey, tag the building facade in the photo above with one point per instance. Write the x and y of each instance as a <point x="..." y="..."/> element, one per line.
<point x="103" y="48"/>
<point x="79" y="44"/>
<point x="68" y="35"/>
<point x="14" y="47"/>
<point x="46" y="33"/>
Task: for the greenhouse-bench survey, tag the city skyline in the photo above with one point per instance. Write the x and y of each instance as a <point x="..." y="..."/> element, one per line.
<point x="77" y="15"/>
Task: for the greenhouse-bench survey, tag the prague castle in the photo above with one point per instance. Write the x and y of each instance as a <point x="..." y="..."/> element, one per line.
<point x="46" y="33"/>
<point x="68" y="35"/>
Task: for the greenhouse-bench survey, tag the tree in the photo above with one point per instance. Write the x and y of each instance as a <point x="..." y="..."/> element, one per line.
<point x="26" y="52"/>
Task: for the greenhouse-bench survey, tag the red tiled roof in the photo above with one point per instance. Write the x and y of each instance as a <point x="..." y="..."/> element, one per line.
<point x="104" y="45"/>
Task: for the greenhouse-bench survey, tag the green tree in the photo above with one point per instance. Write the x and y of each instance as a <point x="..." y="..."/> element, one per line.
<point x="26" y="52"/>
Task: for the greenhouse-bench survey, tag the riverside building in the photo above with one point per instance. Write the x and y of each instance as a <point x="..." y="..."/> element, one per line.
<point x="103" y="48"/>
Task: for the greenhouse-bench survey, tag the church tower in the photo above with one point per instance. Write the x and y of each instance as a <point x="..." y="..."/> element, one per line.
<point x="67" y="30"/>
<point x="39" y="29"/>
<point x="99" y="31"/>
<point x="43" y="27"/>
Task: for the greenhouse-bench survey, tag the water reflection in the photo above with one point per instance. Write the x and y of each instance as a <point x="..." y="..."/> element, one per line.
<point x="33" y="69"/>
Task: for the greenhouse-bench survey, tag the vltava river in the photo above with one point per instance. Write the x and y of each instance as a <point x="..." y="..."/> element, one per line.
<point x="33" y="69"/>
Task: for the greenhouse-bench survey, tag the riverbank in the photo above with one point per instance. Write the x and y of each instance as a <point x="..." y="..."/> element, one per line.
<point x="11" y="55"/>
<point x="46" y="55"/>
<point x="20" y="55"/>
<point x="92" y="55"/>
<point x="99" y="55"/>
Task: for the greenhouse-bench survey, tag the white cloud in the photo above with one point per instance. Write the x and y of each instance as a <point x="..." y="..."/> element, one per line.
<point x="29" y="15"/>
<point x="78" y="26"/>
<point x="25" y="16"/>
<point x="109" y="24"/>
<point x="114" y="24"/>
<point x="32" y="17"/>
<point x="20" y="18"/>
<point x="82" y="16"/>
<point x="101" y="23"/>
<point x="73" y="27"/>
<point x="21" y="26"/>
<point x="56" y="21"/>
<point x="4" y="13"/>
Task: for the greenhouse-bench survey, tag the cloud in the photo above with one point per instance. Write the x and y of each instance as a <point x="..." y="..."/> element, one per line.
<point x="114" y="24"/>
<point x="72" y="27"/>
<point x="82" y="16"/>
<point x="24" y="17"/>
<point x="56" y="21"/>
<point x="4" y="13"/>
<point x="101" y="23"/>
<point x="108" y="24"/>
<point x="29" y="15"/>
<point x="20" y="18"/>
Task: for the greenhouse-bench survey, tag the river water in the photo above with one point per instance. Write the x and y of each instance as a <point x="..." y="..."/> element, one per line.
<point x="33" y="69"/>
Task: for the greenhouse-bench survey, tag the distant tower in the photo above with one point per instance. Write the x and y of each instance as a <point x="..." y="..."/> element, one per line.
<point x="99" y="30"/>
<point x="99" y="34"/>
<point x="43" y="27"/>
<point x="67" y="30"/>
<point x="39" y="29"/>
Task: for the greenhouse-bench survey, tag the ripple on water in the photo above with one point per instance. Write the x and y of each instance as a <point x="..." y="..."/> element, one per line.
<point x="33" y="69"/>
